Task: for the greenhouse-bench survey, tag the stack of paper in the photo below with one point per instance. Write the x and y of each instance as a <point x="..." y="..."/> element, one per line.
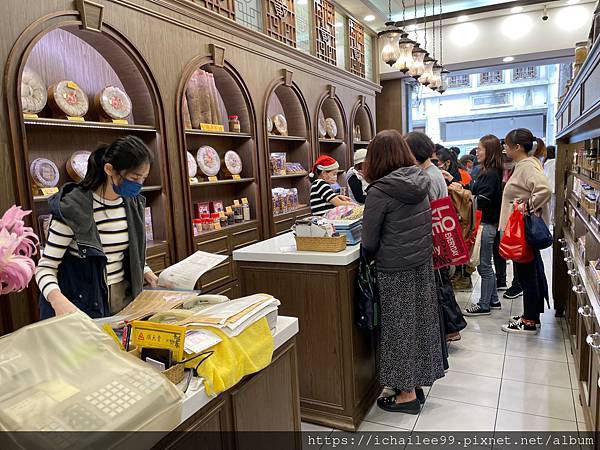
<point x="235" y="316"/>
<point x="197" y="341"/>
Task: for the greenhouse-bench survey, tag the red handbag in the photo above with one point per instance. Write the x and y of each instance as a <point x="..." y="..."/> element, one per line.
<point x="513" y="245"/>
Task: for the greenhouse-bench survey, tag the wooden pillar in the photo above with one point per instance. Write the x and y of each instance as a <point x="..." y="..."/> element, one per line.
<point x="391" y="106"/>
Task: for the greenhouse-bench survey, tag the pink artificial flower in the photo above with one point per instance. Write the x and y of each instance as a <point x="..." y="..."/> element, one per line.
<point x="15" y="270"/>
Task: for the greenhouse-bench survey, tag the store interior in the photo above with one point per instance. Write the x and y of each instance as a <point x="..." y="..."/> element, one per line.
<point x="235" y="102"/>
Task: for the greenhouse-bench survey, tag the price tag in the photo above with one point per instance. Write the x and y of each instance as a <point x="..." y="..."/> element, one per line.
<point x="72" y="85"/>
<point x="30" y="116"/>
<point x="244" y="201"/>
<point x="236" y="177"/>
<point x="75" y="119"/>
<point x="194" y="180"/>
<point x="120" y="122"/>
<point x="229" y="210"/>
<point x="213" y="179"/>
<point x="49" y="191"/>
<point x="236" y="203"/>
<point x="211" y="127"/>
<point x="221" y="213"/>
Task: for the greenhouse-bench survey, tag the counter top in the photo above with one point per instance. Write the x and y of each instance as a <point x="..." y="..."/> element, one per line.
<point x="282" y="249"/>
<point x="196" y="397"/>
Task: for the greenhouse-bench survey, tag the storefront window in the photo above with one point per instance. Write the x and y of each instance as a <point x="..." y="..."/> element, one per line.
<point x="368" y="57"/>
<point x="340" y="40"/>
<point x="525" y="73"/>
<point x="459" y="81"/>
<point x="303" y="27"/>
<point x="249" y="13"/>
<point x="491" y="77"/>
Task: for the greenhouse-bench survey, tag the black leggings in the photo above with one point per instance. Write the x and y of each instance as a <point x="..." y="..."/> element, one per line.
<point x="533" y="291"/>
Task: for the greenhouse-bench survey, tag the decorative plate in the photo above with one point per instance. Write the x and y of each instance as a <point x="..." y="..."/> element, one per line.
<point x="233" y="162"/>
<point x="114" y="102"/>
<point x="280" y="124"/>
<point x="77" y="165"/>
<point x="269" y="125"/>
<point x="192" y="166"/>
<point x="33" y="92"/>
<point x="208" y="161"/>
<point x="69" y="98"/>
<point x="44" y="173"/>
<point x="331" y="128"/>
<point x="322" y="128"/>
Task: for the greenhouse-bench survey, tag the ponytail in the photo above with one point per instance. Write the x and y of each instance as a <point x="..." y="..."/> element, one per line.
<point x="521" y="136"/>
<point x="125" y="154"/>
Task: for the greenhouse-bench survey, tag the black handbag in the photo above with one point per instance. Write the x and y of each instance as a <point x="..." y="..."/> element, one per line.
<point x="537" y="234"/>
<point x="367" y="296"/>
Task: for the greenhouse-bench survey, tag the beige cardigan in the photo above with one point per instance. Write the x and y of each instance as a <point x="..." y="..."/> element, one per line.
<point x="529" y="184"/>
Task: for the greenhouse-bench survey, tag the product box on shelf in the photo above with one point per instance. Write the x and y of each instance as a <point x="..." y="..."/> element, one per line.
<point x="148" y="224"/>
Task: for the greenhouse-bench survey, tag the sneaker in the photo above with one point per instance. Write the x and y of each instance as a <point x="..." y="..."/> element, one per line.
<point x="515" y="319"/>
<point x="476" y="310"/>
<point x="501" y="286"/>
<point x="497" y="305"/>
<point x="520" y="327"/>
<point x="462" y="284"/>
<point x="513" y="292"/>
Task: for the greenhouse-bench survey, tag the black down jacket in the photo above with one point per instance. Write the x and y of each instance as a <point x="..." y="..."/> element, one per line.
<point x="397" y="221"/>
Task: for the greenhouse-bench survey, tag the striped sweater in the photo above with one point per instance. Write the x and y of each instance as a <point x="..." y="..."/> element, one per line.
<point x="111" y="221"/>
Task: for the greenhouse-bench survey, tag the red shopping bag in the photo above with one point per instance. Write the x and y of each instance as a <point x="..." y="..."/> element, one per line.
<point x="513" y="245"/>
<point x="449" y="247"/>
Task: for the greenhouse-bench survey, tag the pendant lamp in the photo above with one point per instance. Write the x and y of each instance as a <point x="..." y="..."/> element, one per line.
<point x="389" y="40"/>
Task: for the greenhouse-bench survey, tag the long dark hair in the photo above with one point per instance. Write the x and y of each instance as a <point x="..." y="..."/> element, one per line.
<point x="125" y="154"/>
<point x="387" y="152"/>
<point x="493" y="153"/>
<point x="421" y="145"/>
<point x="526" y="139"/>
<point x="443" y="155"/>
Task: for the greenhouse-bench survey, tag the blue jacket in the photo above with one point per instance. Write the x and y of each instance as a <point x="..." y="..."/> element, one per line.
<point x="82" y="278"/>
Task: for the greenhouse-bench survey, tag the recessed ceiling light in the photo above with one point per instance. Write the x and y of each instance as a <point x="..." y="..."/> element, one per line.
<point x="369" y="18"/>
<point x="572" y="18"/>
<point x="516" y="9"/>
<point x="517" y="26"/>
<point x="462" y="18"/>
<point x="464" y="34"/>
<point x="508" y="59"/>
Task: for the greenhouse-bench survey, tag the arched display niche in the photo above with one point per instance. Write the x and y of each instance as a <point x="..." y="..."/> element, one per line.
<point x="330" y="106"/>
<point x="232" y="98"/>
<point x="284" y="97"/>
<point x="363" y="119"/>
<point x="93" y="58"/>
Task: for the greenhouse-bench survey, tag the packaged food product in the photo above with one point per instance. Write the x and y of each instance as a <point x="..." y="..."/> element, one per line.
<point x="216" y="221"/>
<point x="294" y="168"/>
<point x="278" y="161"/>
<point x="197" y="226"/>
<point x="148" y="224"/>
<point x="44" y="172"/>
<point x="581" y="52"/>
<point x="113" y="103"/>
<point x="269" y="125"/>
<point x="233" y="163"/>
<point x="33" y="92"/>
<point x="198" y="96"/>
<point x="238" y="215"/>
<point x="234" y="124"/>
<point x="201" y="209"/>
<point x="331" y="128"/>
<point x="322" y="127"/>
<point x="187" y="120"/>
<point x="67" y="99"/>
<point x="208" y="161"/>
<point x="192" y="165"/>
<point x="216" y="206"/>
<point x="280" y="124"/>
<point x="77" y="165"/>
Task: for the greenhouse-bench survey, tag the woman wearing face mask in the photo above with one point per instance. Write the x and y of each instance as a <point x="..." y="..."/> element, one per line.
<point x="322" y="197"/>
<point x="98" y="266"/>
<point x="529" y="187"/>
<point x="447" y="163"/>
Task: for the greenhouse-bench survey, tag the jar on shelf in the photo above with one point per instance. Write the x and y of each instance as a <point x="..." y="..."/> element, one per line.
<point x="230" y="217"/>
<point x="581" y="52"/>
<point x="234" y="124"/>
<point x="206" y="223"/>
<point x="216" y="221"/>
<point x="238" y="215"/>
<point x="197" y="226"/>
<point x="222" y="219"/>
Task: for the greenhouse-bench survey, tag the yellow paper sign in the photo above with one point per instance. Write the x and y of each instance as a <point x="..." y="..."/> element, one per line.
<point x="72" y="85"/>
<point x="221" y="213"/>
<point x="211" y="127"/>
<point x="30" y="116"/>
<point x="244" y="201"/>
<point x="75" y="119"/>
<point x="229" y="210"/>
<point x="159" y="335"/>
<point x="236" y="177"/>
<point x="236" y="203"/>
<point x="120" y="122"/>
<point x="49" y="191"/>
<point x="213" y="179"/>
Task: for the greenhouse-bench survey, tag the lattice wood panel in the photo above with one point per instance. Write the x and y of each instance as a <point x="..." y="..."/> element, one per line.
<point x="280" y="21"/>
<point x="325" y="31"/>
<point x="356" y="33"/>
<point x="223" y="7"/>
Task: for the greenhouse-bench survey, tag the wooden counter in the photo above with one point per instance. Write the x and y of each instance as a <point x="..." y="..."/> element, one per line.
<point x="336" y="360"/>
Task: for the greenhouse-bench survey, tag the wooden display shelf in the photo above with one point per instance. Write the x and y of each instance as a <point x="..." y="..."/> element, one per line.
<point x="582" y="270"/>
<point x="585" y="218"/>
<point x="41" y="198"/>
<point x="229" y="134"/>
<point x="361" y="142"/>
<point x="155" y="243"/>
<point x="594" y="183"/>
<point x="331" y="141"/>
<point x="221" y="182"/>
<point x="229" y="229"/>
<point x="61" y="123"/>
<point x="291" y="175"/>
<point x="276" y="137"/>
<point x="302" y="209"/>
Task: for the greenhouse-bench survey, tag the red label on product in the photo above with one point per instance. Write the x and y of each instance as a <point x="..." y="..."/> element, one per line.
<point x="449" y="248"/>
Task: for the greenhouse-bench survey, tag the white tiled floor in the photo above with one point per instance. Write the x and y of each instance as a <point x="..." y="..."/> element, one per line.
<point x="497" y="381"/>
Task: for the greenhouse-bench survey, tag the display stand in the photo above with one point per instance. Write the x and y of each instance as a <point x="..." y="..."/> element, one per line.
<point x="330" y="106"/>
<point x="285" y="98"/>
<point x="362" y="121"/>
<point x="232" y="99"/>
<point x="94" y="61"/>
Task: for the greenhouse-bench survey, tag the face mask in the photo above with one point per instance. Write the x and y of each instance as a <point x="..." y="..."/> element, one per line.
<point x="127" y="188"/>
<point x="435" y="162"/>
<point x="336" y="187"/>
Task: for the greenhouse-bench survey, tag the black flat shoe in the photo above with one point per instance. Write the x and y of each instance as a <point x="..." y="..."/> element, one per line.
<point x="420" y="394"/>
<point x="389" y="404"/>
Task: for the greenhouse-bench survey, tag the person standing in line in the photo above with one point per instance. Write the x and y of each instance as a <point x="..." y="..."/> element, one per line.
<point x="354" y="178"/>
<point x="550" y="172"/>
<point x="488" y="192"/>
<point x="397" y="235"/>
<point x="530" y="188"/>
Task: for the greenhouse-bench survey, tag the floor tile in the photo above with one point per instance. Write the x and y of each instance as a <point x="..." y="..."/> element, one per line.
<point x="514" y="421"/>
<point x="578" y="408"/>
<point x="487" y="324"/>
<point x="536" y="348"/>
<point x="467" y="388"/>
<point x="537" y="371"/>
<point x="573" y="376"/>
<point x="446" y="415"/>
<point x="473" y="342"/>
<point x="396" y="420"/>
<point x="539" y="400"/>
<point x="311" y="427"/>
<point x="477" y="363"/>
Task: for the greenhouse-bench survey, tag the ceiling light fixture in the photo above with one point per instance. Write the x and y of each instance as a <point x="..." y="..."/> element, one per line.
<point x="444" y="73"/>
<point x="508" y="59"/>
<point x="418" y="54"/>
<point x="428" y="61"/>
<point x="388" y="39"/>
<point x="516" y="9"/>
<point x="572" y="18"/>
<point x="369" y="18"/>
<point x="405" y="58"/>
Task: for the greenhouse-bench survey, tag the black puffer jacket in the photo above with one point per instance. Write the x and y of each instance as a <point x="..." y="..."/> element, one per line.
<point x="397" y="221"/>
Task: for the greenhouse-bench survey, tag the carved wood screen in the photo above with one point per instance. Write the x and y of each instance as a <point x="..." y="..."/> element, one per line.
<point x="223" y="7"/>
<point x="356" y="33"/>
<point x="325" y="31"/>
<point x="280" y="21"/>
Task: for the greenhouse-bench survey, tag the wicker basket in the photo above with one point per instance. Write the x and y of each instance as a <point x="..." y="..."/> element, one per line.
<point x="321" y="244"/>
<point x="174" y="373"/>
